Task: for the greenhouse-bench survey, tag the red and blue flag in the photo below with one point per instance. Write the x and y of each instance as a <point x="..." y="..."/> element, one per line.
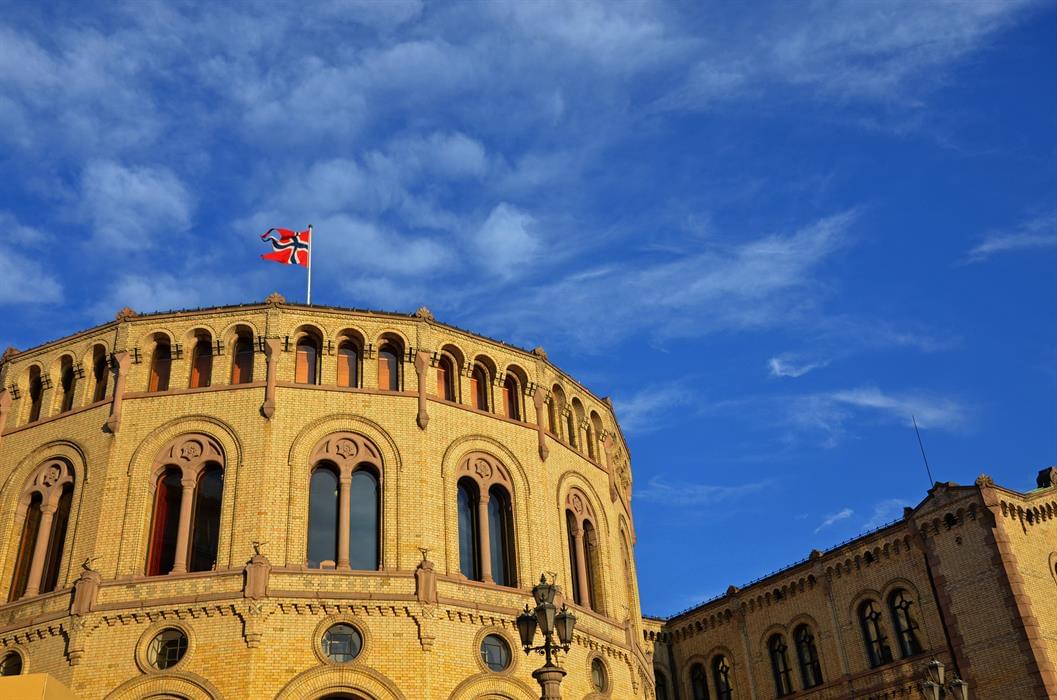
<point x="288" y="247"/>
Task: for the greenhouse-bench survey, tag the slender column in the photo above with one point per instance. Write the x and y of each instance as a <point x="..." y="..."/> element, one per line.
<point x="40" y="550"/>
<point x="122" y="361"/>
<point x="271" y="352"/>
<point x="486" y="543"/>
<point x="183" y="532"/>
<point x="538" y="399"/>
<point x="344" y="495"/>
<point x="581" y="568"/>
<point x="421" y="365"/>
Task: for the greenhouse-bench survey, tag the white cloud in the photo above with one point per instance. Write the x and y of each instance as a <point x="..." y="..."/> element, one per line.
<point x="506" y="242"/>
<point x="791" y="366"/>
<point x="833" y="518"/>
<point x="347" y="246"/>
<point x="129" y="206"/>
<point x="1036" y="234"/>
<point x="681" y="493"/>
<point x="23" y="280"/>
<point x="885" y="512"/>
<point x="647" y="409"/>
<point x="930" y="411"/>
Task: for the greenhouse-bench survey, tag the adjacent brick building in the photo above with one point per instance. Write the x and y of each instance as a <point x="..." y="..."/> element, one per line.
<point x="276" y="500"/>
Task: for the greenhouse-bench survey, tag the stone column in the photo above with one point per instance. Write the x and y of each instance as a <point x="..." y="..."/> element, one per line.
<point x="486" y="543"/>
<point x="272" y="347"/>
<point x="183" y="532"/>
<point x="344" y="495"/>
<point x="421" y="365"/>
<point x="539" y="400"/>
<point x="40" y="550"/>
<point x="550" y="680"/>
<point x="122" y="362"/>
<point x="581" y="568"/>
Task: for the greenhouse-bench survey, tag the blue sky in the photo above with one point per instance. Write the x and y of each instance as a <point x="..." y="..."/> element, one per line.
<point x="771" y="232"/>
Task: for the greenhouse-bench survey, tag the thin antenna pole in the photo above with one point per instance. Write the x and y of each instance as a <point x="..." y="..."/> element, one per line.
<point x="922" y="446"/>
<point x="311" y="245"/>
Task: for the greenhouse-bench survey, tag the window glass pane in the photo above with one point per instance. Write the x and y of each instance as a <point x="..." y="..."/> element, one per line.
<point x="36" y="393"/>
<point x="30" y="529"/>
<point x="166" y="649"/>
<point x="69" y="382"/>
<point x="598" y="675"/>
<point x="348" y="363"/>
<point x="101" y="375"/>
<point x="202" y="365"/>
<point x="591" y="566"/>
<point x="205" y="529"/>
<point x="242" y="366"/>
<point x="323" y="517"/>
<point x="468" y="559"/>
<point x="307" y="354"/>
<point x="495" y="652"/>
<point x="166" y="523"/>
<point x="698" y="683"/>
<point x="11" y="665"/>
<point x="161" y="363"/>
<point x="53" y="559"/>
<point x="479" y="387"/>
<point x="363" y="521"/>
<point x="500" y="537"/>
<point x="388" y="370"/>
<point x="574" y="569"/>
<point x="342" y="643"/>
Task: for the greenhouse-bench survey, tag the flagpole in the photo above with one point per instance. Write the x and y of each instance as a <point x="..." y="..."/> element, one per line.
<point x="311" y="244"/>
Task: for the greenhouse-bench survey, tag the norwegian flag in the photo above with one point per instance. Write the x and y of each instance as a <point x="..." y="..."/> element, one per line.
<point x="288" y="247"/>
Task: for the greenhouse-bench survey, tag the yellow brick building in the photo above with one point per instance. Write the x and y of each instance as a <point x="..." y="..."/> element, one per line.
<point x="276" y="500"/>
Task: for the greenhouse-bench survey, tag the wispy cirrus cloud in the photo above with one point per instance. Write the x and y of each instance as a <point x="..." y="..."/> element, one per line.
<point x="681" y="493"/>
<point x="885" y="511"/>
<point x="24" y="280"/>
<point x="833" y="518"/>
<point x="648" y="409"/>
<point x="793" y="366"/>
<point x="1035" y="234"/>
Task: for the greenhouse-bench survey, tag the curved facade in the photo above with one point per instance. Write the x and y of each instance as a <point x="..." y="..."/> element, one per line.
<point x="277" y="500"/>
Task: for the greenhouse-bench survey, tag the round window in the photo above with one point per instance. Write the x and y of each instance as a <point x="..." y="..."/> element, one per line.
<point x="342" y="643"/>
<point x="495" y="652"/>
<point x="11" y="665"/>
<point x="167" y="648"/>
<point x="598" y="675"/>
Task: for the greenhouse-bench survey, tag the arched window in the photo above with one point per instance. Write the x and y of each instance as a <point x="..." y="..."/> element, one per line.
<point x="68" y="380"/>
<point x="202" y="363"/>
<point x="348" y="364"/>
<point x="363" y="520"/>
<point x="783" y="676"/>
<point x="100" y="373"/>
<point x="501" y="536"/>
<point x="185" y="526"/>
<point x="552" y="415"/>
<point x="570" y="427"/>
<point x="306" y="370"/>
<point x="661" y="685"/>
<point x="512" y="398"/>
<point x="389" y="368"/>
<point x="479" y="386"/>
<point x="905" y="625"/>
<point x="877" y="649"/>
<point x="323" y="517"/>
<point x="807" y="655"/>
<point x="599" y="451"/>
<point x="445" y="378"/>
<point x="585" y="551"/>
<point x="36" y="393"/>
<point x="160" y="366"/>
<point x="592" y="560"/>
<point x="45" y="510"/>
<point x="698" y="682"/>
<point x="721" y="678"/>
<point x="577" y="419"/>
<point x="469" y="561"/>
<point x="242" y="360"/>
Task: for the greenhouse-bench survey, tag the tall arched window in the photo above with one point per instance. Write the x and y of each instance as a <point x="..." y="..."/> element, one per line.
<point x="899" y="604"/>
<point x="479" y="386"/>
<point x="577" y="420"/>
<point x="571" y="429"/>
<point x="363" y="520"/>
<point x="185" y="526"/>
<point x="660" y="684"/>
<point x="389" y="368"/>
<point x="100" y="373"/>
<point x="877" y="649"/>
<point x="44" y="507"/>
<point x="469" y="562"/>
<point x="68" y="381"/>
<point x="585" y="551"/>
<point x="160" y="365"/>
<point x="36" y="393"/>
<point x="306" y="369"/>
<point x="721" y="678"/>
<point x="348" y="364"/>
<point x="202" y="363"/>
<point x="445" y="378"/>
<point x="242" y="359"/>
<point x="345" y="504"/>
<point x="323" y="516"/>
<point x="698" y="682"/>
<point x="501" y="536"/>
<point x="512" y="398"/>
<point x="783" y="675"/>
<point x="599" y="451"/>
<point x="807" y="656"/>
<point x="552" y="415"/>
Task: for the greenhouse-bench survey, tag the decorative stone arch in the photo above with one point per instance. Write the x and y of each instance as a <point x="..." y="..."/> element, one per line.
<point x="738" y="671"/>
<point x="367" y="436"/>
<point x="176" y="683"/>
<point x="230" y="332"/>
<point x="904" y="583"/>
<point x="574" y="480"/>
<point x="88" y="362"/>
<point x="144" y="468"/>
<point x="773" y="629"/>
<point x="805" y="619"/>
<point x="195" y="332"/>
<point x="493" y="686"/>
<point x="150" y="337"/>
<point x="28" y="475"/>
<point x="518" y="488"/>
<point x="25" y="383"/>
<point x="859" y="599"/>
<point x="352" y="677"/>
<point x="457" y="354"/>
<point x="583" y="509"/>
<point x="688" y="666"/>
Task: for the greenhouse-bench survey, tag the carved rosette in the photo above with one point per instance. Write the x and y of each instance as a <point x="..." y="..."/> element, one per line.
<point x="191" y="453"/>
<point x="47" y="480"/>
<point x="577" y="502"/>
<point x="346" y="451"/>
<point x="486" y="470"/>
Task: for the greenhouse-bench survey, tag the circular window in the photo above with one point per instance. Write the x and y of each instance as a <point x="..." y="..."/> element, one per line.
<point x="11" y="665"/>
<point x="598" y="675"/>
<point x="342" y="643"/>
<point x="167" y="648"/>
<point x="495" y="653"/>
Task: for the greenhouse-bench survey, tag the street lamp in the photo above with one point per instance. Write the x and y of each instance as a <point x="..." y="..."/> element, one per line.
<point x="935" y="686"/>
<point x="549" y="620"/>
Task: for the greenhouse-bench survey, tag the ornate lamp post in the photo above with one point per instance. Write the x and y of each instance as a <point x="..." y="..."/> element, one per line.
<point x="550" y="621"/>
<point x="935" y="686"/>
